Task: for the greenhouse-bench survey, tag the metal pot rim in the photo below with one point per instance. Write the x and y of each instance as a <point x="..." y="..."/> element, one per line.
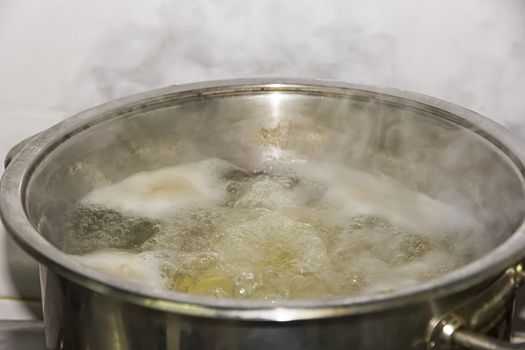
<point x="16" y="176"/>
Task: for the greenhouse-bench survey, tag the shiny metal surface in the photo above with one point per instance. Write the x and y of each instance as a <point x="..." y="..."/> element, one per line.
<point x="474" y="341"/>
<point x="16" y="149"/>
<point x="486" y="312"/>
<point x="350" y="124"/>
<point x="79" y="318"/>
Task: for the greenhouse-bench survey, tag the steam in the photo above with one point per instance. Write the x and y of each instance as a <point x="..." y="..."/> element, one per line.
<point x="73" y="56"/>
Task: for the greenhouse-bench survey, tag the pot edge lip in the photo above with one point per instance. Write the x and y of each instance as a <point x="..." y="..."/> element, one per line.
<point x="12" y="187"/>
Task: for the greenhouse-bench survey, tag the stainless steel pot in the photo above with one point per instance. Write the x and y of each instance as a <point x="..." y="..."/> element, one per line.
<point x="430" y="145"/>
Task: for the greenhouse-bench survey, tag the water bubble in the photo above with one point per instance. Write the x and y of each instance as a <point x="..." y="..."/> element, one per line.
<point x="279" y="234"/>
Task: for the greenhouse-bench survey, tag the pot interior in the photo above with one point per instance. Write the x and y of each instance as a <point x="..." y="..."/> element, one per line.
<point x="422" y="147"/>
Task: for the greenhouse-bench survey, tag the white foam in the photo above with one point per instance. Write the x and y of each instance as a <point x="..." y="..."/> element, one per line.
<point x="144" y="267"/>
<point x="299" y="230"/>
<point x="160" y="193"/>
<point x="359" y="193"/>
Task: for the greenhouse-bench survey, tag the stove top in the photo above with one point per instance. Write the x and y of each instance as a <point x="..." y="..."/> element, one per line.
<point x="18" y="335"/>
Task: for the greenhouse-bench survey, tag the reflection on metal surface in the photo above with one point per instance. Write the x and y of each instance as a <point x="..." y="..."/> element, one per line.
<point x="487" y="313"/>
<point x="275" y="102"/>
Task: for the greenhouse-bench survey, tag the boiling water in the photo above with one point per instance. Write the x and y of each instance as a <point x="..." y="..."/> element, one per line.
<point x="296" y="231"/>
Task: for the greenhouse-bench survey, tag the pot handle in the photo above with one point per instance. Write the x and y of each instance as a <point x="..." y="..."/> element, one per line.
<point x="471" y="340"/>
<point x="456" y="329"/>
<point x="17" y="148"/>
